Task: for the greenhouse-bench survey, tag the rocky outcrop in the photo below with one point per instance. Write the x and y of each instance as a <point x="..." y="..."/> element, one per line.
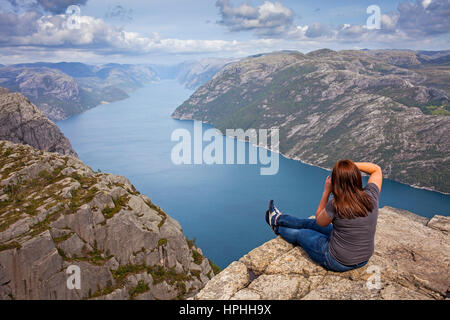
<point x="55" y="212"/>
<point x="22" y="122"/>
<point x="411" y="261"/>
<point x="332" y="105"/>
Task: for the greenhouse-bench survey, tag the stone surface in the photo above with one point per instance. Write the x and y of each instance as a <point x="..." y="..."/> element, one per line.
<point x="22" y="122"/>
<point x="5" y="290"/>
<point x="56" y="212"/>
<point x="411" y="258"/>
<point x="440" y="222"/>
<point x="229" y="281"/>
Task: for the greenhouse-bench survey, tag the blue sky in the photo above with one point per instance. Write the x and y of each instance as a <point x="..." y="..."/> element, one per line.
<point x="168" y="31"/>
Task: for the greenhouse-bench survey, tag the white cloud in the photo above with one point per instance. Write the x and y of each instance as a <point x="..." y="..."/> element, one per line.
<point x="426" y="3"/>
<point x="316" y="30"/>
<point x="424" y="18"/>
<point x="271" y="22"/>
<point x="51" y="33"/>
<point x="389" y="22"/>
<point x="52" y="6"/>
<point x="270" y="19"/>
<point x="94" y="33"/>
<point x="412" y="21"/>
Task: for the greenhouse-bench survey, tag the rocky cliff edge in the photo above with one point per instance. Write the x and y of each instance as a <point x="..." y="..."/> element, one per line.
<point x="22" y="122"/>
<point x="56" y="212"/>
<point x="411" y="261"/>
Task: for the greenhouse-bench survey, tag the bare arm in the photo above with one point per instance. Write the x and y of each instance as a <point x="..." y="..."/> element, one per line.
<point x="376" y="175"/>
<point x="322" y="217"/>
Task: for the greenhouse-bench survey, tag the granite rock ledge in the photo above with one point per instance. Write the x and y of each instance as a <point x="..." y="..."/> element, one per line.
<point x="412" y="256"/>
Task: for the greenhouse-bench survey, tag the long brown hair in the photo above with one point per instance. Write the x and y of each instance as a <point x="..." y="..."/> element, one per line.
<point x="350" y="200"/>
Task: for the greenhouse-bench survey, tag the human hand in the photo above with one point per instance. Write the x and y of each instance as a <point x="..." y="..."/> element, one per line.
<point x="327" y="188"/>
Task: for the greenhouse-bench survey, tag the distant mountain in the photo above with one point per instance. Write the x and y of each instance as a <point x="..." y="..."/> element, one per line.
<point x="435" y="57"/>
<point x="22" y="122"/>
<point x="167" y="71"/>
<point x="61" y="90"/>
<point x="410" y="58"/>
<point x="73" y="69"/>
<point x="387" y="106"/>
<point x="192" y="74"/>
<point x="196" y="73"/>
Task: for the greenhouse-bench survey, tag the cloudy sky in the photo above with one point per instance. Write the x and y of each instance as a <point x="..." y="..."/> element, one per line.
<point x="168" y="31"/>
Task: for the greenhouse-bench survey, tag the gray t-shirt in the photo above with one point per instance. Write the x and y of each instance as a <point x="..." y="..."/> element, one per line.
<point x="352" y="240"/>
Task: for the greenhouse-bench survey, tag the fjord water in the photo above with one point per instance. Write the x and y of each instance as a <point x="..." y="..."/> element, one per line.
<point x="222" y="206"/>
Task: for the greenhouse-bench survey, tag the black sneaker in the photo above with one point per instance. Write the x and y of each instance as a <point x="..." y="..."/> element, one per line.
<point x="272" y="216"/>
<point x="271" y="206"/>
<point x="268" y="212"/>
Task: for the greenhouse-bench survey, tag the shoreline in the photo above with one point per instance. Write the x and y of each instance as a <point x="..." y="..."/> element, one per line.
<point x="302" y="161"/>
<point x="104" y="102"/>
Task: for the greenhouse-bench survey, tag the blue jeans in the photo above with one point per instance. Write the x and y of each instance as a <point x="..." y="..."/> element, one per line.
<point x="314" y="239"/>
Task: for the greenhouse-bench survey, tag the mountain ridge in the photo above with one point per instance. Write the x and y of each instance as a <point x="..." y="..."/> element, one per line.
<point x="61" y="90"/>
<point x="331" y="105"/>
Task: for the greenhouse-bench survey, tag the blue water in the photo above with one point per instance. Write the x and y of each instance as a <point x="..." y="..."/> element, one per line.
<point x="222" y="206"/>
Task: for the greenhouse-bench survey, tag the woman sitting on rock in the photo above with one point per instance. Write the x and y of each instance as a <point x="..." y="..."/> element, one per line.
<point x="341" y="237"/>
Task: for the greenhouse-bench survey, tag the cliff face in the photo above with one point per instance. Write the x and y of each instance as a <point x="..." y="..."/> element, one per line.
<point x="335" y="105"/>
<point x="56" y="212"/>
<point x="22" y="122"/>
<point x="412" y="257"/>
